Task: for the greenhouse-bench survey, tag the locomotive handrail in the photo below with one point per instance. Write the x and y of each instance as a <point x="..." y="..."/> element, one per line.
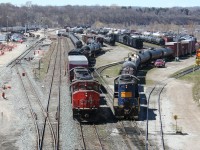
<point x="77" y="68"/>
<point x="129" y="75"/>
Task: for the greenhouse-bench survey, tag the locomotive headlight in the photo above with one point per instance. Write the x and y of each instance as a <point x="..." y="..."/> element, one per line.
<point x="126" y="86"/>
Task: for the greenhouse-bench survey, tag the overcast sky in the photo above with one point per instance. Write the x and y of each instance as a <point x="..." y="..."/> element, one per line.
<point x="141" y="3"/>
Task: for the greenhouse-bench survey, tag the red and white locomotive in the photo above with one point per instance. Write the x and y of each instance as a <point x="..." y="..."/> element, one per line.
<point x="85" y="91"/>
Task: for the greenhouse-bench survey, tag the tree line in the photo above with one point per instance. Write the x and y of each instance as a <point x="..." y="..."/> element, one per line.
<point x="59" y="16"/>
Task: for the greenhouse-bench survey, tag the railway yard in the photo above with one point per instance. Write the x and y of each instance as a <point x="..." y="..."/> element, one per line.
<point x="36" y="109"/>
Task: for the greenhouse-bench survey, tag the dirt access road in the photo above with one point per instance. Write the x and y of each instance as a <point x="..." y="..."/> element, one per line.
<point x="177" y="100"/>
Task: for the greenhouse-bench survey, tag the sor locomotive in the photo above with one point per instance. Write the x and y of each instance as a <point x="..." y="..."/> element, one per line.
<point x="126" y="95"/>
<point x="126" y="102"/>
<point x="85" y="94"/>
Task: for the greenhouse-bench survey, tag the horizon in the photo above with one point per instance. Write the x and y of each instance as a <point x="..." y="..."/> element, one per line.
<point x="136" y="3"/>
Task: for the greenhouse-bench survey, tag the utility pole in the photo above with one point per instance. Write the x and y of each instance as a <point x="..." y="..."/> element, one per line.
<point x="6" y="23"/>
<point x="28" y="5"/>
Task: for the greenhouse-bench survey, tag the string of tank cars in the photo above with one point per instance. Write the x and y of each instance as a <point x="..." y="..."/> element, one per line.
<point x="145" y="57"/>
<point x="160" y="89"/>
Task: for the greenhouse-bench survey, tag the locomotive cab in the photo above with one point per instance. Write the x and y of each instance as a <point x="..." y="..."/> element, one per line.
<point x="126" y="97"/>
<point x="85" y="94"/>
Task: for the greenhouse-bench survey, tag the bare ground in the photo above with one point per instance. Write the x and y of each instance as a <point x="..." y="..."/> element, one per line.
<point x="177" y="100"/>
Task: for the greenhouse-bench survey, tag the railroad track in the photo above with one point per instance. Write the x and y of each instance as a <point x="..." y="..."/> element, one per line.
<point x="50" y="56"/>
<point x="134" y="138"/>
<point x="89" y="137"/>
<point x="133" y="135"/>
<point x="155" y="99"/>
<point x="53" y="101"/>
<point x="156" y="91"/>
<point x="37" y="110"/>
<point x="24" y="54"/>
<point x="97" y="74"/>
<point x="45" y="127"/>
<point x="18" y="59"/>
<point x="187" y="71"/>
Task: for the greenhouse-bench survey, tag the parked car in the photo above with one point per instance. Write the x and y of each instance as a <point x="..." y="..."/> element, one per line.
<point x="159" y="63"/>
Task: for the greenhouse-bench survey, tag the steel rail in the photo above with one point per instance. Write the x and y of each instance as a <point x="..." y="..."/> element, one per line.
<point x="48" y="103"/>
<point x="33" y="114"/>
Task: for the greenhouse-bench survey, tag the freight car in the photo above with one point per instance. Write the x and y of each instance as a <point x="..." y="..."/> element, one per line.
<point x="85" y="94"/>
<point x="75" y="40"/>
<point x="154" y="40"/>
<point x="126" y="102"/>
<point x="60" y="32"/>
<point x="128" y="40"/>
<point x="90" y="50"/>
<point x="110" y="39"/>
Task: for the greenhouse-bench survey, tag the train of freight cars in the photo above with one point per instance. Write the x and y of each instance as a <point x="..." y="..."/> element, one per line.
<point x="126" y="102"/>
<point x="85" y="90"/>
<point x="128" y="40"/>
<point x="90" y="50"/>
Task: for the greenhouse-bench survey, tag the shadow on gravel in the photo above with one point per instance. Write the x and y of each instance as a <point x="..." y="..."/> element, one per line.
<point x="143" y="99"/>
<point x="178" y="133"/>
<point x="103" y="116"/>
<point x="103" y="89"/>
<point x="140" y="88"/>
<point x="142" y="73"/>
<point x="143" y="114"/>
<point x="103" y="100"/>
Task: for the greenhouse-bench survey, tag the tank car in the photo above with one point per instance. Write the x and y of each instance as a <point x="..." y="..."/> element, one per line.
<point x="136" y="42"/>
<point x="167" y="52"/>
<point x="156" y="53"/>
<point x="110" y="39"/>
<point x="159" y="41"/>
<point x="126" y="101"/>
<point x="85" y="94"/>
<point x="77" y="43"/>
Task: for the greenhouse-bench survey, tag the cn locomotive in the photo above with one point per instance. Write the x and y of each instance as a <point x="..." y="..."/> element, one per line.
<point x="126" y="102"/>
<point x="85" y="94"/>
